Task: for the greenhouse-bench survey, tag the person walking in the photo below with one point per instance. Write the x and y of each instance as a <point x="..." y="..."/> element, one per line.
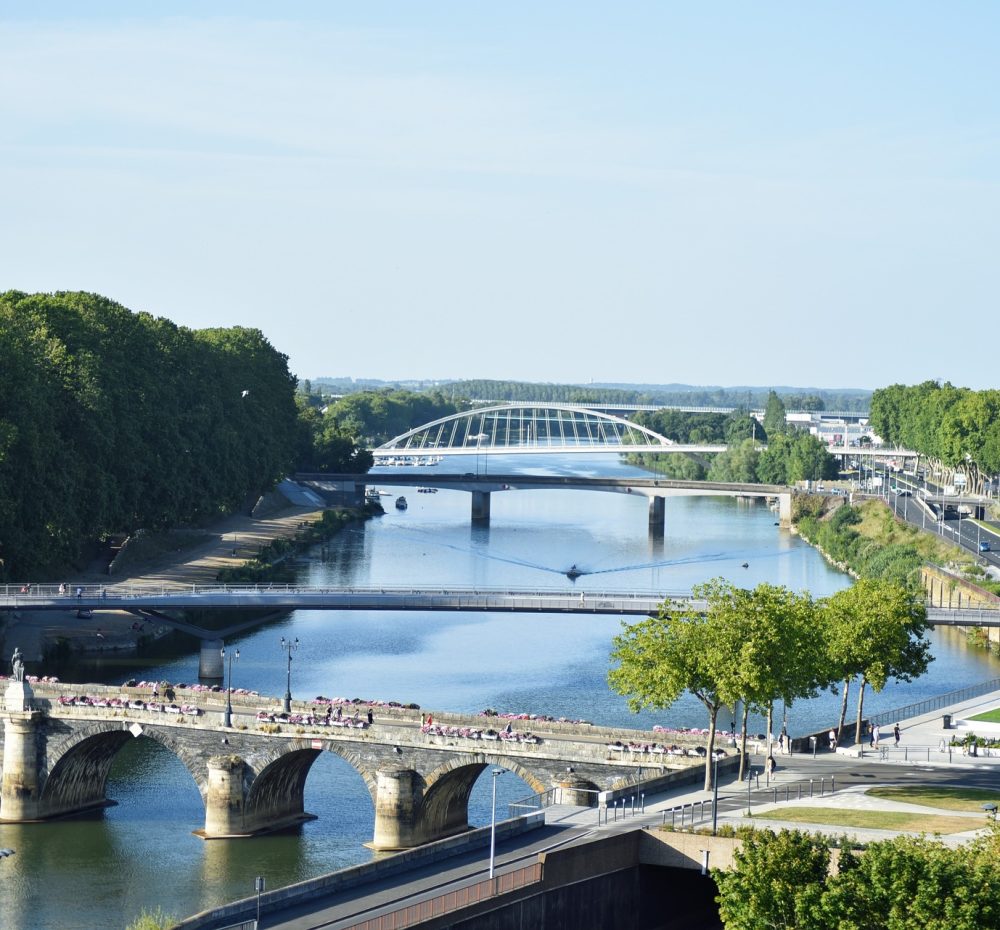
<point x="875" y="735"/>
<point x="895" y="733"/>
<point x="832" y="736"/>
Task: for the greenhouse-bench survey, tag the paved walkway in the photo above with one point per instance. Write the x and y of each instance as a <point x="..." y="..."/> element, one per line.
<point x="227" y="544"/>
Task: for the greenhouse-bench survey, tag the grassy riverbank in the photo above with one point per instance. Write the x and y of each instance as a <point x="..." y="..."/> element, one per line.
<point x="869" y="542"/>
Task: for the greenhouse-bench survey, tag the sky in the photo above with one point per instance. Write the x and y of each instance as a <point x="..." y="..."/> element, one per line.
<point x="726" y="193"/>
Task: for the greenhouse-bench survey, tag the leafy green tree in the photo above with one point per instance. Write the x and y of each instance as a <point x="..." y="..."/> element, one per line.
<point x="874" y="631"/>
<point x="774" y="416"/>
<point x="774" y="883"/>
<point x="683" y="649"/>
<point x="910" y="883"/>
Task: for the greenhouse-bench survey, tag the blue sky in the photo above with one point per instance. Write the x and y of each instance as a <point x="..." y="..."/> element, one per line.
<point x="649" y="192"/>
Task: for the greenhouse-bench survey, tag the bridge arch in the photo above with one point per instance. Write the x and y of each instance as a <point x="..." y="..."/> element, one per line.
<point x="525" y="428"/>
<point x="76" y="768"/>
<point x="445" y="804"/>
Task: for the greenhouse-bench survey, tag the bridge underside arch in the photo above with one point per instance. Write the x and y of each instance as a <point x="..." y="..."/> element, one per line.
<point x="77" y="777"/>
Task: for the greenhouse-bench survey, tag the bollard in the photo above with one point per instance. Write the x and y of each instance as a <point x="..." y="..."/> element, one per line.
<point x="775" y="799"/>
<point x="822" y="786"/>
<point x="786" y="793"/>
<point x="833" y="784"/>
<point x="800" y="791"/>
<point x="810" y="787"/>
<point x="642" y="802"/>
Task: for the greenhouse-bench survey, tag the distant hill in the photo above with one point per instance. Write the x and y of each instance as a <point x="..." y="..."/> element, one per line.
<point x="688" y="395"/>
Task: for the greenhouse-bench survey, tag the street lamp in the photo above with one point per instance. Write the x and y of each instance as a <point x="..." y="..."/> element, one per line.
<point x="496" y="773"/>
<point x="228" y="719"/>
<point x="290" y="645"/>
<point x="479" y="437"/>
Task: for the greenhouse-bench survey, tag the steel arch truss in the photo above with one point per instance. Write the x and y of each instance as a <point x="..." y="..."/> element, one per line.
<point x="525" y="428"/>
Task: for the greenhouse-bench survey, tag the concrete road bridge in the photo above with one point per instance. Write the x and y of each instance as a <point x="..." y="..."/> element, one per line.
<point x="481" y="486"/>
<point x="59" y="742"/>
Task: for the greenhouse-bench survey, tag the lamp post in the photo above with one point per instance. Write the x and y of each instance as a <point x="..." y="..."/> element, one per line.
<point x="228" y="719"/>
<point x="289" y="645"/>
<point x="496" y="773"/>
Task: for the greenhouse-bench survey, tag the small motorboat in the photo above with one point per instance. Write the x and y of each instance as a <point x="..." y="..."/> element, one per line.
<point x="401" y="502"/>
<point x="573" y="572"/>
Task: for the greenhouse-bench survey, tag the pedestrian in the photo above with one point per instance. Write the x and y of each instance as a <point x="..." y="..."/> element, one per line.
<point x="771" y="765"/>
<point x="423" y="720"/>
<point x="895" y="733"/>
<point x="430" y="720"/>
<point x="340" y="712"/>
<point x="782" y="737"/>
<point x="833" y="740"/>
<point x="371" y="717"/>
<point x="62" y="589"/>
<point x="875" y="735"/>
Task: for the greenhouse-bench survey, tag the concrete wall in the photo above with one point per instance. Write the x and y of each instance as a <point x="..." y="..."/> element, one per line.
<point x="945" y="589"/>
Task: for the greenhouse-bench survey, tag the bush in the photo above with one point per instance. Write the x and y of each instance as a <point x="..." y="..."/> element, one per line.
<point x="152" y="920"/>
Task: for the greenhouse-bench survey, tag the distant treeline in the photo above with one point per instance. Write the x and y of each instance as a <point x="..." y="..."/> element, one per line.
<point x="790" y="455"/>
<point x="676" y="395"/>
<point x="371" y="418"/>
<point x="112" y="420"/>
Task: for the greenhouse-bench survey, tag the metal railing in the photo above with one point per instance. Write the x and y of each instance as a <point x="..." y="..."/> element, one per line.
<point x="935" y="703"/>
<point x="451" y="901"/>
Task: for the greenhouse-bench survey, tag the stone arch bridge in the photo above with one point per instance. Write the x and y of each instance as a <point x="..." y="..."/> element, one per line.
<point x="252" y="776"/>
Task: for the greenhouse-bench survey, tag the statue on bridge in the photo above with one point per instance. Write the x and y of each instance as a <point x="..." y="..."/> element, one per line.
<point x="17" y="665"/>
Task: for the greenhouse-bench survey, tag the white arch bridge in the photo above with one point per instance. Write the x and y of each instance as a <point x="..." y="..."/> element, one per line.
<point x="531" y="429"/>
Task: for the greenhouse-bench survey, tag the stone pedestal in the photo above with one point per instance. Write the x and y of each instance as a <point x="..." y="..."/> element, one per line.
<point x="18" y="697"/>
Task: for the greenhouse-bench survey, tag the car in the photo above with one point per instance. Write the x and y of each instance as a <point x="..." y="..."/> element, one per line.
<point x="984" y="546"/>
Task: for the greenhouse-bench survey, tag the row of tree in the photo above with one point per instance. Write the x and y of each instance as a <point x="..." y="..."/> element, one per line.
<point x="732" y="645"/>
<point x="956" y="427"/>
<point x="784" y="881"/>
<point x="112" y="420"/>
<point x="674" y="394"/>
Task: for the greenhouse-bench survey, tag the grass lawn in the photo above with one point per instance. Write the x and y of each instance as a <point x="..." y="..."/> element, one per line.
<point x="875" y="820"/>
<point x="990" y="716"/>
<point x="952" y="799"/>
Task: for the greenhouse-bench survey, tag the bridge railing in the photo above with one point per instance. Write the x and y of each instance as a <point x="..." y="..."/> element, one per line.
<point x="48" y="591"/>
<point x="919" y="708"/>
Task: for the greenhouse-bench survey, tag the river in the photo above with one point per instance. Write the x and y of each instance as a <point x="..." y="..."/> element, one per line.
<point x="100" y="871"/>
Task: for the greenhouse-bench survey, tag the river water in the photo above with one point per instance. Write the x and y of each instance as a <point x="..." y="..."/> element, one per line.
<point x="100" y="871"/>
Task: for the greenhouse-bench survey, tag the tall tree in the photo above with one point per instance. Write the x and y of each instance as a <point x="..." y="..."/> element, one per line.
<point x="875" y="633"/>
<point x="774" y="416"/>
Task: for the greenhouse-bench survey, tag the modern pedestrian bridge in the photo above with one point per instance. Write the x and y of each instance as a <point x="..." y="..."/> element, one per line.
<point x="59" y="742"/>
<point x="532" y="429"/>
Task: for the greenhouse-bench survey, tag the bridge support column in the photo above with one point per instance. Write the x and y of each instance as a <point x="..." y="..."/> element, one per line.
<point x="398" y="800"/>
<point x="657" y="512"/>
<point x="480" y="506"/>
<point x="224" y="799"/>
<point x="210" y="661"/>
<point x="785" y="509"/>
<point x="19" y="791"/>
<point x="575" y="791"/>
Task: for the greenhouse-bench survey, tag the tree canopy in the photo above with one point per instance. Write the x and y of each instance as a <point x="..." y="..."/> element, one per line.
<point x="782" y="881"/>
<point x="112" y="420"/>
